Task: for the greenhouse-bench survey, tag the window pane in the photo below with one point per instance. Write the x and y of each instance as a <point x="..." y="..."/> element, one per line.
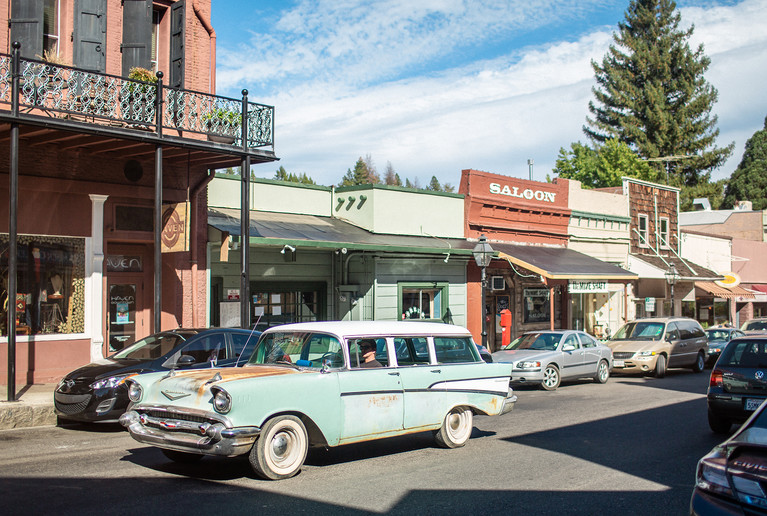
<point x="453" y="350"/>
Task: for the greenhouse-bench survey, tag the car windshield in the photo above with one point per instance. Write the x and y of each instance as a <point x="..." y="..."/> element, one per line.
<point x="755" y="326"/>
<point x="152" y="347"/>
<point x="744" y="353"/>
<point x="540" y="341"/>
<point x="718" y="334"/>
<point x="640" y="330"/>
<point x="303" y="349"/>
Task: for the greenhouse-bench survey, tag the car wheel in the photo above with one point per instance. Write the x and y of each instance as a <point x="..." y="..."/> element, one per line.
<point x="603" y="372"/>
<point x="551" y="378"/>
<point x="700" y="363"/>
<point x="456" y="428"/>
<point x="281" y="448"/>
<point x="182" y="457"/>
<point x="718" y="424"/>
<point x="660" y="367"/>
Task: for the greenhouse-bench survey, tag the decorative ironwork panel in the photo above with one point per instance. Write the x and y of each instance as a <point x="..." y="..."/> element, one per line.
<point x="5" y="79"/>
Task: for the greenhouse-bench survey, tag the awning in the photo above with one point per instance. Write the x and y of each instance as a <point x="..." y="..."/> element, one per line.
<point x="723" y="292"/>
<point x="561" y="263"/>
<point x="312" y="231"/>
<point x="759" y="288"/>
<point x="656" y="267"/>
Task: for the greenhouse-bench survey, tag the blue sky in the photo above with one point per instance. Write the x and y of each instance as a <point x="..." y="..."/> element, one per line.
<point x="437" y="86"/>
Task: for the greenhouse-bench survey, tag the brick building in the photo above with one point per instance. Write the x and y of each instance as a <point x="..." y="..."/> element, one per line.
<point x="104" y="241"/>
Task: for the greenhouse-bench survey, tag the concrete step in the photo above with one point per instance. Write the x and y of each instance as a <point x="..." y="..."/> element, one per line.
<point x="33" y="407"/>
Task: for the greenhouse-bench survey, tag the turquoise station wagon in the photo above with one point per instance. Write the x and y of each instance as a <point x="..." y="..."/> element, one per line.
<point x="321" y="384"/>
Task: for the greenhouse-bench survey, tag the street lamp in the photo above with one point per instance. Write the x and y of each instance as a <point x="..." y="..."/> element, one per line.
<point x="671" y="278"/>
<point x="483" y="253"/>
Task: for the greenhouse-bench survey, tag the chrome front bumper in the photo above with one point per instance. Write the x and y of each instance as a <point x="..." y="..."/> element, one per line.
<point x="508" y="403"/>
<point x="189" y="436"/>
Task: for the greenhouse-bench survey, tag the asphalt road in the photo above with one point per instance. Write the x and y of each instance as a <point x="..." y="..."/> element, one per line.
<point x="627" y="447"/>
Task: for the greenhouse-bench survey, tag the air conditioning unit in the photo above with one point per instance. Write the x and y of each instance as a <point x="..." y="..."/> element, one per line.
<point x="497" y="283"/>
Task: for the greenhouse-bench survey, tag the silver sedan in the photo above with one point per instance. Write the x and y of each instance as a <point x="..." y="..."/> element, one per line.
<point x="548" y="357"/>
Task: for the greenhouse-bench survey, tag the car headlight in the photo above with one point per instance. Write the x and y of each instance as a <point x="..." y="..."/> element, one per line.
<point x="222" y="402"/>
<point x="645" y="353"/>
<point x="135" y="392"/>
<point x="529" y="365"/>
<point x="111" y="382"/>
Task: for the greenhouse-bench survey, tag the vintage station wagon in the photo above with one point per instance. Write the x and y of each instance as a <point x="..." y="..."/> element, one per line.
<point x="321" y="384"/>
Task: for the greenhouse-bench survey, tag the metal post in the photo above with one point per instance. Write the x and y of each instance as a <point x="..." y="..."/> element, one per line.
<point x="12" y="223"/>
<point x="157" y="324"/>
<point x="672" y="300"/>
<point x="530" y="166"/>
<point x="482" y="309"/>
<point x="245" y="219"/>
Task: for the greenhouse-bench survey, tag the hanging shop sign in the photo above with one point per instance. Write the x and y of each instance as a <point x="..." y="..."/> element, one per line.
<point x="175" y="227"/>
<point x="528" y="193"/>
<point x="586" y="287"/>
<point x="649" y="304"/>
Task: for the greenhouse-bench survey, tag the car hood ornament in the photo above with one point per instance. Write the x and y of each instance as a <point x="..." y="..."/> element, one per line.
<point x="173" y="396"/>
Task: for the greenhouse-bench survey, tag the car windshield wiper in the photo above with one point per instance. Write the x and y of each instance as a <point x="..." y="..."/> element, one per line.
<point x="285" y="362"/>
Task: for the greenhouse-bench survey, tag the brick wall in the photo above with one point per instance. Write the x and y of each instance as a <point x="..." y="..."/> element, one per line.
<point x="655" y="202"/>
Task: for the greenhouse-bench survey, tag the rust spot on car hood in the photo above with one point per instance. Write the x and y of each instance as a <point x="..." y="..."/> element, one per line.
<point x="199" y="379"/>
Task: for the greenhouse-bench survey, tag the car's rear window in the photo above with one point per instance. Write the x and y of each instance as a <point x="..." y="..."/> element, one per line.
<point x="755" y="326"/>
<point x="718" y="334"/>
<point x="453" y="350"/>
<point x="744" y="353"/>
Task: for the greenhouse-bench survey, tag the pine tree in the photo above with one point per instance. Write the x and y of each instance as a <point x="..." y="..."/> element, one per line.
<point x="651" y="94"/>
<point x="358" y="176"/>
<point x="434" y="185"/>
<point x="749" y="181"/>
<point x="281" y="174"/>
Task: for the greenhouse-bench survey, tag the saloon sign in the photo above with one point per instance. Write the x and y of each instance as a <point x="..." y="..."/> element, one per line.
<point x="528" y="193"/>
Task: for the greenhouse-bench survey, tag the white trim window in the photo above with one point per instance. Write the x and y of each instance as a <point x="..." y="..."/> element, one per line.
<point x="643" y="223"/>
<point x="663" y="232"/>
<point x="51" y="27"/>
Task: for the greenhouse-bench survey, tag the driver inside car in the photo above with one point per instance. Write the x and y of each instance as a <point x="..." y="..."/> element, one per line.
<point x="368" y="353"/>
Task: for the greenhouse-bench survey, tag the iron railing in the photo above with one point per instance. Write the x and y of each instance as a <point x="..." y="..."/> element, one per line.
<point x="75" y="94"/>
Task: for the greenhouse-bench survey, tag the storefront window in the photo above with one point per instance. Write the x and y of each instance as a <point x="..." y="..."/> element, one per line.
<point x="536" y="305"/>
<point x="276" y="304"/>
<point x="50" y="289"/>
<point x="422" y="300"/>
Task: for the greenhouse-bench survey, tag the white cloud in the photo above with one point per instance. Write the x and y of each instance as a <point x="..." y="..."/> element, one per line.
<point x="335" y="69"/>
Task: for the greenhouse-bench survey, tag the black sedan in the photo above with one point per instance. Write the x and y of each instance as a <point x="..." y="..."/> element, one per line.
<point x="731" y="478"/>
<point x="738" y="383"/>
<point x="97" y="391"/>
<point x="718" y="338"/>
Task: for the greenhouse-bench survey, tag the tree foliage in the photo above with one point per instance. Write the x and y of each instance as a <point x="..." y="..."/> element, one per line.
<point x="749" y="181"/>
<point x="603" y="166"/>
<point x="283" y="175"/>
<point x="651" y="94"/>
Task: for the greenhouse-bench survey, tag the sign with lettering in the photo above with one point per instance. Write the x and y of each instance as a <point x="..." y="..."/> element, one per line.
<point x="586" y="287"/>
<point x="649" y="304"/>
<point x="122" y="263"/>
<point x="527" y="193"/>
<point x="175" y="227"/>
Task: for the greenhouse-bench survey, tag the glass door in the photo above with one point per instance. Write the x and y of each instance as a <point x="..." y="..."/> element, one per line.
<point x="125" y="324"/>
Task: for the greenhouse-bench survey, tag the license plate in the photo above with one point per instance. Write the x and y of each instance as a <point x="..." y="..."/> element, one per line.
<point x="618" y="363"/>
<point x="752" y="404"/>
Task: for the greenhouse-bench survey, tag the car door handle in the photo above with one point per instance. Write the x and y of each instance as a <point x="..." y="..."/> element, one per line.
<point x="394" y="373"/>
<point x="436" y="370"/>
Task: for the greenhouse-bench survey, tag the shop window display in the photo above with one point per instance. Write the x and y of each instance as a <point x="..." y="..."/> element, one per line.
<point x="419" y="301"/>
<point x="50" y="285"/>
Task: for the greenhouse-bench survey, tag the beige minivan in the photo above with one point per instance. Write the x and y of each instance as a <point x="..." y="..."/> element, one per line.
<point x="651" y="345"/>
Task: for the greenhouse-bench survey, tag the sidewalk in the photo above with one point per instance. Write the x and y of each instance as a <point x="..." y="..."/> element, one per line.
<point x="33" y="408"/>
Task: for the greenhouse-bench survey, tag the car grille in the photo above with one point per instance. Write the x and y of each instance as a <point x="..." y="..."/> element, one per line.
<point x="71" y="404"/>
<point x="166" y="414"/>
<point x="623" y="355"/>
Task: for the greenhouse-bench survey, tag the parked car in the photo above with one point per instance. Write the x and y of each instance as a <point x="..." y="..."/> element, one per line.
<point x="731" y="478"/>
<point x="322" y="384"/>
<point x="546" y="358"/>
<point x="653" y="344"/>
<point x="757" y="325"/>
<point x="485" y="354"/>
<point x="718" y="338"/>
<point x="738" y="383"/>
<point x="97" y="392"/>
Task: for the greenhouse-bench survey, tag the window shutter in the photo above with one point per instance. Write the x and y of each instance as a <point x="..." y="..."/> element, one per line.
<point x="137" y="35"/>
<point x="90" y="35"/>
<point x="177" y="45"/>
<point x="27" y="27"/>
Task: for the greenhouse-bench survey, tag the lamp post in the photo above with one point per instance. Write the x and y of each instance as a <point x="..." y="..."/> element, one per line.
<point x="483" y="253"/>
<point x="671" y="278"/>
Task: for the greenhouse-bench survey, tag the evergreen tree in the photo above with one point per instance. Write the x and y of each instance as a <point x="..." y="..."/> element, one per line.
<point x="408" y="184"/>
<point x="397" y="180"/>
<point x="358" y="176"/>
<point x="281" y="174"/>
<point x="434" y="185"/>
<point x="749" y="181"/>
<point x="651" y="94"/>
<point x="447" y="187"/>
<point x="391" y="177"/>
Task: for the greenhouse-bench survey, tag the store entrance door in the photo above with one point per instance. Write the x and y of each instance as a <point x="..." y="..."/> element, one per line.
<point x="127" y="308"/>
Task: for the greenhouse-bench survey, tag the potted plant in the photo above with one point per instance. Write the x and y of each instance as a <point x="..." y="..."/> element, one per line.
<point x="141" y="104"/>
<point x="223" y="125"/>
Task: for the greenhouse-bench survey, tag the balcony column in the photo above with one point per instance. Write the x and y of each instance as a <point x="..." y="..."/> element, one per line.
<point x="94" y="301"/>
<point x="157" y="326"/>
<point x="13" y="196"/>
<point x="245" y="219"/>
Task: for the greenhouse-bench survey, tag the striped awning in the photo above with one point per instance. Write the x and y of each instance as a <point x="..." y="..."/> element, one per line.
<point x="723" y="292"/>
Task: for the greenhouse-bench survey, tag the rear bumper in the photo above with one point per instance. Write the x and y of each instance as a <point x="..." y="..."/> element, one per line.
<point x="189" y="436"/>
<point x="731" y="406"/>
<point x="508" y="404"/>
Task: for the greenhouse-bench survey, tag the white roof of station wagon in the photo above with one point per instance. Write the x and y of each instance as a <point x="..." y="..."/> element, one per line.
<point x="379" y="328"/>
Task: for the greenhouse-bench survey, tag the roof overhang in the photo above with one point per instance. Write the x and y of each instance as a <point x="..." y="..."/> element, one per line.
<point x="724" y="292"/>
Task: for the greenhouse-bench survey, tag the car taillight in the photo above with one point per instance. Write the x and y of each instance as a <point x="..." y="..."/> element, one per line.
<point x="716" y="378"/>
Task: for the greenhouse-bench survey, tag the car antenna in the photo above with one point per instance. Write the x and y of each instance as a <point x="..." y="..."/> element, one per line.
<point x="249" y="337"/>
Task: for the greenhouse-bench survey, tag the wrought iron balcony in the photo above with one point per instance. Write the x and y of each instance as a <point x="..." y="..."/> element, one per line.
<point x="66" y="92"/>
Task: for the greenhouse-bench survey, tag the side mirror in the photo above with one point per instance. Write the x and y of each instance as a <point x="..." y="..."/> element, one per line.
<point x="185" y="360"/>
<point x="568" y="347"/>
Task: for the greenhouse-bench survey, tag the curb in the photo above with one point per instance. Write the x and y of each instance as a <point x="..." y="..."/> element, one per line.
<point x="20" y="415"/>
